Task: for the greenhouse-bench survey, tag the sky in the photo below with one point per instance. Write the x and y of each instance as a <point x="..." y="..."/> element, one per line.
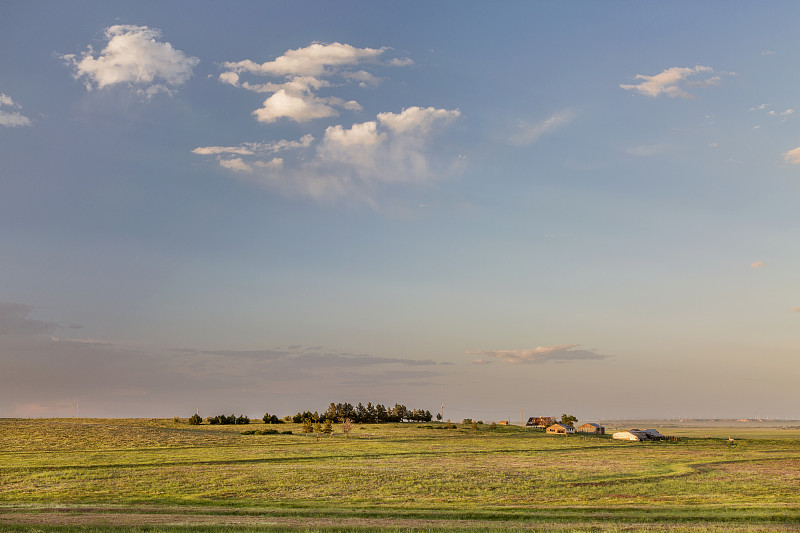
<point x="510" y="210"/>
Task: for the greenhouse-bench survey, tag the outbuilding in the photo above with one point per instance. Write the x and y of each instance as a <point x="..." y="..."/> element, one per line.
<point x="633" y="434"/>
<point x="560" y="429"/>
<point x="591" y="427"/>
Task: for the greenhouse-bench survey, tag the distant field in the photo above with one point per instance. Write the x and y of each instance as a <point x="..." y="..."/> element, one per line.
<point x="158" y="475"/>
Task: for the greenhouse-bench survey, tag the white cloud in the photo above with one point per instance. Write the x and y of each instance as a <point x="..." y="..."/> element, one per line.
<point x="542" y="354"/>
<point x="304" y="72"/>
<point x="792" y="156"/>
<point x="296" y="107"/>
<point x="364" y="78"/>
<point x="133" y="56"/>
<point x="273" y="164"/>
<point x="236" y="164"/>
<point x="759" y="107"/>
<point x="530" y="133"/>
<point x="416" y="120"/>
<point x="350" y="160"/>
<point x="218" y="150"/>
<point x="758" y="264"/>
<point x="256" y="148"/>
<point x="347" y="163"/>
<point x="11" y="119"/>
<point x="767" y="53"/>
<point x="313" y="60"/>
<point x="672" y="81"/>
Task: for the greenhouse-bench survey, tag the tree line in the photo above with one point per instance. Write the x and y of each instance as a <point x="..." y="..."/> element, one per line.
<point x="336" y="413"/>
<point x="365" y="414"/>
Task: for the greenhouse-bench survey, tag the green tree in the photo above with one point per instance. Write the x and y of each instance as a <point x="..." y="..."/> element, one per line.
<point x="196" y="420"/>
<point x="327" y="428"/>
<point x="568" y="420"/>
<point x="308" y="425"/>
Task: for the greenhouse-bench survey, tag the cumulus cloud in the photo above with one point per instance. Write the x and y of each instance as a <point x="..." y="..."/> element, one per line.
<point x="135" y="56"/>
<point x="11" y="117"/>
<point x="541" y="354"/>
<point x="792" y="156"/>
<point x="758" y="264"/>
<point x="300" y="74"/>
<point x="674" y="81"/>
<point x="298" y="107"/>
<point x="348" y="162"/>
<point x="530" y="133"/>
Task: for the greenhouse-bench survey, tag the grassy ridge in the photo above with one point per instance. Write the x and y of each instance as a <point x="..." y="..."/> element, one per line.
<point x="393" y="473"/>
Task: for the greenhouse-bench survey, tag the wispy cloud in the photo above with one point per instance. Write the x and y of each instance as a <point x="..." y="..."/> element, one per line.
<point x="135" y="56"/>
<point x="14" y="320"/>
<point x="792" y="156"/>
<point x="673" y="82"/>
<point x="41" y="369"/>
<point x="11" y="118"/>
<point x="795" y="309"/>
<point x="758" y="264"/>
<point x="527" y="133"/>
<point x="541" y="354"/>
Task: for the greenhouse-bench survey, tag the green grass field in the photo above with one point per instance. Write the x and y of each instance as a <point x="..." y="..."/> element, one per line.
<point x="158" y="475"/>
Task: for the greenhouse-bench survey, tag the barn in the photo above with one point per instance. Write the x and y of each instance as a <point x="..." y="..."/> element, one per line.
<point x="560" y="429"/>
<point x="591" y="427"/>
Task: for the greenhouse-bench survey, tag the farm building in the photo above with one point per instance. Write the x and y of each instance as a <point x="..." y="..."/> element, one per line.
<point x="560" y="429"/>
<point x="639" y="435"/>
<point x="591" y="427"/>
<point x="633" y="434"/>
<point x="540" y="421"/>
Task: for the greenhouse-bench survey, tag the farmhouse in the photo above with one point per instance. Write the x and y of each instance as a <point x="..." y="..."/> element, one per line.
<point x="591" y="427"/>
<point x="560" y="429"/>
<point x="540" y="421"/>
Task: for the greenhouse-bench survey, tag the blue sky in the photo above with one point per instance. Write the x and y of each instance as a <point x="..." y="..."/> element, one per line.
<point x="532" y="208"/>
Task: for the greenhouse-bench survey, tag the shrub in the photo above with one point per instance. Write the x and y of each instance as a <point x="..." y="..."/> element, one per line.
<point x="196" y="420"/>
<point x="287" y="432"/>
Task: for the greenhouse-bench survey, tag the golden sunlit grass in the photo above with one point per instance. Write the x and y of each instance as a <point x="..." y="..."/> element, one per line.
<point x="510" y="476"/>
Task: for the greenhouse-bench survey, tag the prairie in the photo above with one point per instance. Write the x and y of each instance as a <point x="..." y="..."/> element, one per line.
<point x="159" y="475"/>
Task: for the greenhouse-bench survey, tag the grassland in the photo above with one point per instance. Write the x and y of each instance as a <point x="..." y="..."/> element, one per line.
<point x="157" y="475"/>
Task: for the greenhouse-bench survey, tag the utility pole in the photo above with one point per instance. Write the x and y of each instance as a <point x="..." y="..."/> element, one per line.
<point x="76" y="409"/>
<point x="442" y="411"/>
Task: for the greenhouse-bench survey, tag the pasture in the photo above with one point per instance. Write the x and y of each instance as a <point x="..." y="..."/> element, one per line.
<point x="159" y="475"/>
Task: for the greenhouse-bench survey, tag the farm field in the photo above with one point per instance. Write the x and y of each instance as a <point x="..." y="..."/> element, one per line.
<point x="159" y="475"/>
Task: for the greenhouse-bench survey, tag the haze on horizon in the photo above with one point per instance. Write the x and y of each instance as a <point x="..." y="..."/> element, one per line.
<point x="532" y="208"/>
